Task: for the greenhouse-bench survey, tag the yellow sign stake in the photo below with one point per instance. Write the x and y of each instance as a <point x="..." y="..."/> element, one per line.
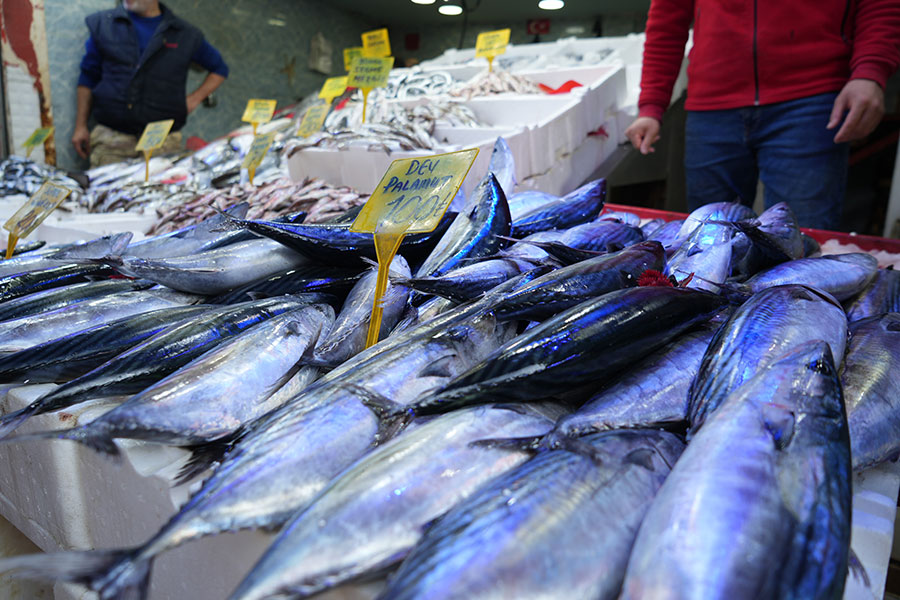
<point x="33" y="212"/>
<point x="367" y="73"/>
<point x="256" y="153"/>
<point x="490" y="44"/>
<point x="376" y="43"/>
<point x="412" y="197"/>
<point x="37" y="138"/>
<point x="154" y="136"/>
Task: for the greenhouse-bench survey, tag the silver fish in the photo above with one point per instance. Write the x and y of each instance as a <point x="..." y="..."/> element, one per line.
<point x="559" y="526"/>
<point x="214" y="271"/>
<point x="386" y="499"/>
<point x="18" y="334"/>
<point x="871" y="380"/>
<point x="503" y="166"/>
<point x="524" y="202"/>
<point x="216" y="393"/>
<point x="712" y="214"/>
<point x="758" y="505"/>
<point x="841" y="275"/>
<point x="769" y="324"/>
<point x="880" y="296"/>
<point x="348" y="333"/>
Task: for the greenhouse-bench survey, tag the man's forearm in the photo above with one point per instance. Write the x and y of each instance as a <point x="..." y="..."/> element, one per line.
<point x="209" y="85"/>
<point x="83" y="107"/>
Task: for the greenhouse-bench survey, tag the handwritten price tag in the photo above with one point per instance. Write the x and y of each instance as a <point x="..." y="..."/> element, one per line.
<point x="257" y="153"/>
<point x="369" y="72"/>
<point x="350" y="54"/>
<point x="25" y="220"/>
<point x="333" y="87"/>
<point x="376" y="43"/>
<point x="154" y="135"/>
<point x="491" y="43"/>
<point x="313" y="120"/>
<point x="37" y="138"/>
<point x="259" y="111"/>
<point x="412" y="197"/>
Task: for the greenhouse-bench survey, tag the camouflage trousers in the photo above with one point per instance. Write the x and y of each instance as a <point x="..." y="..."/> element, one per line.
<point x="110" y="146"/>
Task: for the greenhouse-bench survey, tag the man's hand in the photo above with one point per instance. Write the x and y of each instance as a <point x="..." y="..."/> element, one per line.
<point x="643" y="133"/>
<point x="193" y="102"/>
<point x="863" y="101"/>
<point x="81" y="139"/>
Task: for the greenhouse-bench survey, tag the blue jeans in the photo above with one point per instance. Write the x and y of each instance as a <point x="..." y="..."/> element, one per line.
<point x="785" y="145"/>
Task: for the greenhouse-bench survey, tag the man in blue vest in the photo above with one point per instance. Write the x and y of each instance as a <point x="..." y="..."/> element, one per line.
<point x="134" y="72"/>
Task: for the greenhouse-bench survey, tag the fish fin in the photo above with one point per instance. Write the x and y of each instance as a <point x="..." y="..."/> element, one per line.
<point x="520" y="444"/>
<point x="258" y="295"/>
<point x="439" y="368"/>
<point x="96" y="439"/>
<point x="369" y="261"/>
<point x="614" y="247"/>
<point x="779" y="422"/>
<point x="858" y="570"/>
<point x="392" y="416"/>
<point x="642" y="457"/>
<point x="113" y="573"/>
<point x="510" y="239"/>
<point x="207" y="455"/>
<point x="582" y="448"/>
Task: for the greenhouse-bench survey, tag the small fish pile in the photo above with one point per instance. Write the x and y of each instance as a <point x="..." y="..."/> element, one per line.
<point x="140" y="197"/>
<point x="491" y="83"/>
<point x="580" y="421"/>
<point x="406" y="85"/>
<point x="24" y="176"/>
<point x="319" y="200"/>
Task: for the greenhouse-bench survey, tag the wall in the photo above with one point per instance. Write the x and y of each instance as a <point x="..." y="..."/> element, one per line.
<point x="434" y="39"/>
<point x="258" y="38"/>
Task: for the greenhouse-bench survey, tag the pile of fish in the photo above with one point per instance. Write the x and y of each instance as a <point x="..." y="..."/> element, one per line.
<point x="563" y="402"/>
<point x="414" y="83"/>
<point x="319" y="201"/>
<point x="389" y="126"/>
<point x="24" y="176"/>
<point x="490" y="83"/>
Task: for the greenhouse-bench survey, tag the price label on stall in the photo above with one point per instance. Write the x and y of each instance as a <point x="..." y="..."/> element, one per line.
<point x="412" y="197"/>
<point x="313" y="119"/>
<point x="25" y="220"/>
<point x="367" y="73"/>
<point x="350" y="54"/>
<point x="154" y="136"/>
<point x="37" y="138"/>
<point x="258" y="111"/>
<point x="376" y="43"/>
<point x="257" y="153"/>
<point x="491" y="44"/>
<point x="333" y="87"/>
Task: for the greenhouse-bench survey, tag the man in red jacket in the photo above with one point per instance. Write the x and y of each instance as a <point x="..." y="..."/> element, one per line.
<point x="769" y="82"/>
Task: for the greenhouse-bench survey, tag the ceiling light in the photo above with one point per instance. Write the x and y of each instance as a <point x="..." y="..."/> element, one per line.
<point x="450" y="9"/>
<point x="423" y="1"/>
<point x="551" y="4"/>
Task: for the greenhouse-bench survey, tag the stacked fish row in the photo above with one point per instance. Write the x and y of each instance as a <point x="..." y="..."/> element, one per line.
<point x="490" y="83"/>
<point x="24" y="176"/>
<point x="563" y="403"/>
<point x="317" y="199"/>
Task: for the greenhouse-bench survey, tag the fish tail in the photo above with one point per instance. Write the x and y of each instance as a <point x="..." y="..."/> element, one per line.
<point x="11" y="421"/>
<point x="113" y="573"/>
<point x="97" y="440"/>
<point x="207" y="455"/>
<point x="530" y="444"/>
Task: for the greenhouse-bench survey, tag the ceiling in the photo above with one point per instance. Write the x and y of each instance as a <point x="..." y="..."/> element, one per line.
<point x="404" y="12"/>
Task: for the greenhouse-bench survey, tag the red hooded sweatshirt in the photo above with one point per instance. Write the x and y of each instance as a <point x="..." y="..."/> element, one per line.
<point x="752" y="52"/>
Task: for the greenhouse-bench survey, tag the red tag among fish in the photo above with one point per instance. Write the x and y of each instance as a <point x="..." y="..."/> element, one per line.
<point x="563" y="89"/>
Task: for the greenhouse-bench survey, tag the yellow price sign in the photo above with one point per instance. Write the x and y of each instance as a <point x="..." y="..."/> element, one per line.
<point x="350" y="54"/>
<point x="155" y="135"/>
<point x="412" y="197"/>
<point x="369" y="72"/>
<point x="491" y="43"/>
<point x="25" y="220"/>
<point x="259" y="111"/>
<point x="37" y="138"/>
<point x="333" y="87"/>
<point x="313" y="119"/>
<point x="257" y="153"/>
<point x="376" y="43"/>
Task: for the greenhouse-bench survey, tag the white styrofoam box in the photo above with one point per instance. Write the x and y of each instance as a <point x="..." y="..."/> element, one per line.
<point x="570" y="170"/>
<point x="13" y="543"/>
